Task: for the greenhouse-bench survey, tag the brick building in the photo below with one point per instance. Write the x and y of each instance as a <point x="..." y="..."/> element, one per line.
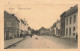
<point x="11" y="26"/>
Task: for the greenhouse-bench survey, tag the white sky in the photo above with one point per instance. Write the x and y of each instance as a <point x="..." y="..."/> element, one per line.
<point x="41" y="13"/>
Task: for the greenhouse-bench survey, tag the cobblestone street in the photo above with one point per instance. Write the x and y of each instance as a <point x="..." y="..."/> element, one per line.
<point x="44" y="42"/>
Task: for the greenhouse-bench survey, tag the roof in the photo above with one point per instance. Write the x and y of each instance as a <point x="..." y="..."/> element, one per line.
<point x="16" y="18"/>
<point x="42" y="28"/>
<point x="63" y="14"/>
<point x="23" y="21"/>
<point x="69" y="12"/>
<point x="72" y="10"/>
<point x="12" y="15"/>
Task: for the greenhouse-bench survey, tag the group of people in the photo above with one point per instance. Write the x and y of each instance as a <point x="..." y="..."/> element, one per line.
<point x="23" y="34"/>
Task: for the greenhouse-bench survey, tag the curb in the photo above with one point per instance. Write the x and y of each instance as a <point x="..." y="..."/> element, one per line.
<point x="14" y="43"/>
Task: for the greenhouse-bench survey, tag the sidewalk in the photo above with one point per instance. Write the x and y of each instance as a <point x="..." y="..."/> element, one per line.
<point x="11" y="41"/>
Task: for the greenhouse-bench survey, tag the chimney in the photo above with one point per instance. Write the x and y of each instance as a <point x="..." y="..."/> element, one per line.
<point x="12" y="14"/>
<point x="71" y="7"/>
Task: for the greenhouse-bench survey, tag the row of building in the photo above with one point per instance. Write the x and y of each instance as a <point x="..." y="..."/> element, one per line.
<point x="14" y="27"/>
<point x="67" y="26"/>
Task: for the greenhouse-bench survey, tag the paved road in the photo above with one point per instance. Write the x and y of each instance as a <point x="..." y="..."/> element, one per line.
<point x="45" y="42"/>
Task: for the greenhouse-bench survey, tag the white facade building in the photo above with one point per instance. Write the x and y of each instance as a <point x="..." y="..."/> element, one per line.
<point x="58" y="28"/>
<point x="23" y="26"/>
<point x="71" y="23"/>
<point x="54" y="30"/>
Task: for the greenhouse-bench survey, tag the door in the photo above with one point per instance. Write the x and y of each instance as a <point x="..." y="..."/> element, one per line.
<point x="7" y="34"/>
<point x="76" y="36"/>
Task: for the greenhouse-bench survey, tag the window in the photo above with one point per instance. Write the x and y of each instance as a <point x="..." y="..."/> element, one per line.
<point x="66" y="21"/>
<point x="70" y="20"/>
<point x="70" y="31"/>
<point x="74" y="19"/>
<point x="8" y="24"/>
<point x="73" y="34"/>
<point x="73" y="28"/>
<point x="66" y="31"/>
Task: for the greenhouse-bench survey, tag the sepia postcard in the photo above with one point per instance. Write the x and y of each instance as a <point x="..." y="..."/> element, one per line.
<point x="38" y="25"/>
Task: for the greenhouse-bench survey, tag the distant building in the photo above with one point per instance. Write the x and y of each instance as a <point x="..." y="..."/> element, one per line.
<point x="71" y="23"/>
<point x="29" y="31"/>
<point x="55" y="29"/>
<point x="52" y="30"/>
<point x="58" y="28"/>
<point x="44" y="31"/>
<point x="23" y="27"/>
<point x="11" y="26"/>
<point x="62" y="18"/>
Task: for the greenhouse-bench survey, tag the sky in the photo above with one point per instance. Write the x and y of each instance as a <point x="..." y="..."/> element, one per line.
<point x="39" y="13"/>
